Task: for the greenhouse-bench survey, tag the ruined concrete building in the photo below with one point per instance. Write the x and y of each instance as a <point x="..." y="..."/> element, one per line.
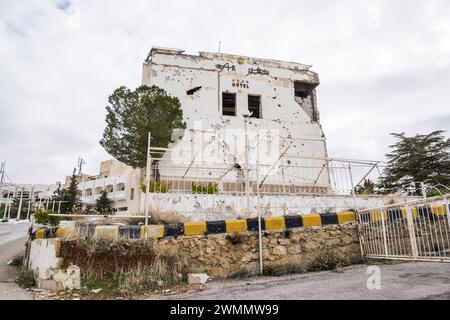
<point x="216" y="90"/>
<point x="225" y="98"/>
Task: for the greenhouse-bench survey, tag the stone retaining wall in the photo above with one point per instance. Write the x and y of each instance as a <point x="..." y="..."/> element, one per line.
<point x="225" y="255"/>
<point x="292" y="250"/>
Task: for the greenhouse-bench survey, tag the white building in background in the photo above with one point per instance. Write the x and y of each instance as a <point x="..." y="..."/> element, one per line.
<point x="121" y="182"/>
<point x="215" y="91"/>
<point x="40" y="194"/>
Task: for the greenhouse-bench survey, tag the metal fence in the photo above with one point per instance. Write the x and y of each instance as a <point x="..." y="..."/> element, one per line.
<point x="416" y="230"/>
<point x="311" y="184"/>
<point x="21" y="205"/>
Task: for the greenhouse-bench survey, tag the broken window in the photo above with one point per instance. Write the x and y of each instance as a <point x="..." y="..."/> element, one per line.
<point x="254" y="106"/>
<point x="228" y="104"/>
<point x="192" y="91"/>
<point x="304" y="95"/>
<point x="302" y="90"/>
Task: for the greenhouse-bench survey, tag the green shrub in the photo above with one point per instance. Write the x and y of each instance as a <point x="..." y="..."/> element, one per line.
<point x="42" y="216"/>
<point x="280" y="270"/>
<point x="328" y="260"/>
<point x="211" y="188"/>
<point x="17" y="261"/>
<point x="25" y="279"/>
<point x="156" y="186"/>
<point x="435" y="192"/>
<point x="235" y="238"/>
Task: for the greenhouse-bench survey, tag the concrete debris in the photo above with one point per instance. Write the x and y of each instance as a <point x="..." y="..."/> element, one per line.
<point x="96" y="290"/>
<point x="197" y="278"/>
<point x="51" y="285"/>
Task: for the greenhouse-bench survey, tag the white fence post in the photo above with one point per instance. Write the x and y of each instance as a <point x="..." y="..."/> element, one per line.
<point x="19" y="209"/>
<point x="383" y="227"/>
<point x="355" y="208"/>
<point x="261" y="254"/>
<point x="147" y="181"/>
<point x="447" y="211"/>
<point x="6" y="206"/>
<point x="412" y="232"/>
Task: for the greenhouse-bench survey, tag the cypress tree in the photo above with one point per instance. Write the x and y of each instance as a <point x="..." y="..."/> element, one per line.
<point x="103" y="204"/>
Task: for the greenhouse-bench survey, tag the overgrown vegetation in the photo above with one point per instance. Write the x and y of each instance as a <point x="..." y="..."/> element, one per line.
<point x="157" y="276"/>
<point x="210" y="188"/>
<point x="324" y="261"/>
<point x="25" y="279"/>
<point x="42" y="216"/>
<point x="156" y="186"/>
<point x="103" y="258"/>
<point x="121" y="267"/>
<point x="327" y="260"/>
<point x="280" y="270"/>
<point x="436" y="191"/>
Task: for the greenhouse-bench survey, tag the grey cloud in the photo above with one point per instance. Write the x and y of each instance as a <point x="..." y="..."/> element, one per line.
<point x="384" y="67"/>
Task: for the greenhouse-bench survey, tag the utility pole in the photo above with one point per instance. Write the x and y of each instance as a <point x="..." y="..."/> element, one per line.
<point x="80" y="165"/>
<point x="2" y="172"/>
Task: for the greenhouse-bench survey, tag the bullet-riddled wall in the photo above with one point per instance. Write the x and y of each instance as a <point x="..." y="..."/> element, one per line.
<point x="215" y="89"/>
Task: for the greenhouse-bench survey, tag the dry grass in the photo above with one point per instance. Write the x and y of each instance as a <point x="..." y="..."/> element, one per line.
<point x="327" y="260"/>
<point x="159" y="275"/>
<point x="166" y="218"/>
<point x="119" y="267"/>
<point x="103" y="258"/>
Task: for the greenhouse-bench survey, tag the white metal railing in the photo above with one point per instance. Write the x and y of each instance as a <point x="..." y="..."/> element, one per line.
<point x="292" y="184"/>
<point x="415" y="230"/>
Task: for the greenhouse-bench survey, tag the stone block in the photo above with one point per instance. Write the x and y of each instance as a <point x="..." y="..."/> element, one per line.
<point x="197" y="278"/>
<point x="49" y="284"/>
<point x="279" y="251"/>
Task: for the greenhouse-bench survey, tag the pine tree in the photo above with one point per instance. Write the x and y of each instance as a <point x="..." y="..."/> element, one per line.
<point x="417" y="159"/>
<point x="103" y="204"/>
<point x="131" y="115"/>
<point x="69" y="198"/>
<point x="367" y="188"/>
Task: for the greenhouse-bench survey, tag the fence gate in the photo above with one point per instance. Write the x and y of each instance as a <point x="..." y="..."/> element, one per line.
<point x="418" y="230"/>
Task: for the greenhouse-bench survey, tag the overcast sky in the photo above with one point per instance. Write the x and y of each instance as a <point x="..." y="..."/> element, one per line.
<point x="384" y="67"/>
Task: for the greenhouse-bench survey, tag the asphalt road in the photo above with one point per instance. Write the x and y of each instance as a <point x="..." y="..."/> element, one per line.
<point x="12" y="240"/>
<point x="398" y="281"/>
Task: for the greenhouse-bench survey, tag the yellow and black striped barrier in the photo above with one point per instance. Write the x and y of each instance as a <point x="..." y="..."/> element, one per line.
<point x="279" y="223"/>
